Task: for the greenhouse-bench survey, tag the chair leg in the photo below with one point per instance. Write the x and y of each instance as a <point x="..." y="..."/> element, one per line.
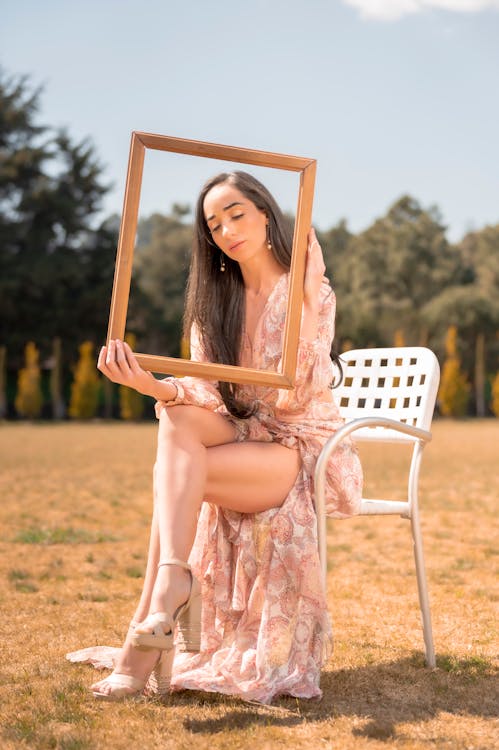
<point x="424" y="601"/>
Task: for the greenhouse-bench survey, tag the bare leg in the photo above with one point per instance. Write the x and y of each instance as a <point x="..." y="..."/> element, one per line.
<point x="172" y="466"/>
<point x="197" y="458"/>
<point x="195" y="461"/>
<point x="185" y="435"/>
<point x="152" y="562"/>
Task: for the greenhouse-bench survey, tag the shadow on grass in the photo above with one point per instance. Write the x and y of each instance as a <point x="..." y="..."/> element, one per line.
<point x="384" y="695"/>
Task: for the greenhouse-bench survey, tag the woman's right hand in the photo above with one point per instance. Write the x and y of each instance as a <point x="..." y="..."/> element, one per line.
<point x="118" y="363"/>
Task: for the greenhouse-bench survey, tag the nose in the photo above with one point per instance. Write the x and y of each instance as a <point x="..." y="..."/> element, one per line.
<point x="225" y="230"/>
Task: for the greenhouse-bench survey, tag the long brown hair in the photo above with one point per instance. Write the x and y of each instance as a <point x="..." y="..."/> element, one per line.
<point x="215" y="300"/>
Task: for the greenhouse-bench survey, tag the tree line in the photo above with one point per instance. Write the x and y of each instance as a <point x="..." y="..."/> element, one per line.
<point x="400" y="280"/>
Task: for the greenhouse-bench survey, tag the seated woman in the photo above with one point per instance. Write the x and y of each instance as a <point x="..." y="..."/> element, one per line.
<point x="233" y="479"/>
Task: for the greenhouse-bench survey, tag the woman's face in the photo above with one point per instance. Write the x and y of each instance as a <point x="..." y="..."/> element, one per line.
<point x="237" y="226"/>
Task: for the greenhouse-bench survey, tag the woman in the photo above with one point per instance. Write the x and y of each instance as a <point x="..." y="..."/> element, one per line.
<point x="234" y="470"/>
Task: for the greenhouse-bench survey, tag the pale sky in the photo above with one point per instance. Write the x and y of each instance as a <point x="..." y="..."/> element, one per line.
<point x="390" y="96"/>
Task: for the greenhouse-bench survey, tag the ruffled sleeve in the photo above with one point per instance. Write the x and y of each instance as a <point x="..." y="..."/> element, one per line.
<point x="190" y="390"/>
<point x="314" y="368"/>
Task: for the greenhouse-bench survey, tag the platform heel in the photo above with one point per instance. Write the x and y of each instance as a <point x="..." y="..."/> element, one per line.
<point x="157" y="630"/>
<point x="159" y="680"/>
<point x="189" y="622"/>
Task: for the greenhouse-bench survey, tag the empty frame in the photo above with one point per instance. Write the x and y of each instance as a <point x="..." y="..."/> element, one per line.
<point x="126" y="242"/>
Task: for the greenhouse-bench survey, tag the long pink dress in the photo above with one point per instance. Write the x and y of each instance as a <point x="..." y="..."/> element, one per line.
<point x="265" y="626"/>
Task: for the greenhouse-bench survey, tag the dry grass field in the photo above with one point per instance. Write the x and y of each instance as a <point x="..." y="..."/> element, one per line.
<point x="75" y="502"/>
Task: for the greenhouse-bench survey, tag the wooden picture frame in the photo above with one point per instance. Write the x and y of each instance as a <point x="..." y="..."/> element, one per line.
<point x="123" y="269"/>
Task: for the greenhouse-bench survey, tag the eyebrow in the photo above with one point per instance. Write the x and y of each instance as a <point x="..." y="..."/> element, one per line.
<point x="226" y="208"/>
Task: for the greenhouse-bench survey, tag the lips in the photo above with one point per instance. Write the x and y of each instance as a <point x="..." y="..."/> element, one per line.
<point x="236" y="245"/>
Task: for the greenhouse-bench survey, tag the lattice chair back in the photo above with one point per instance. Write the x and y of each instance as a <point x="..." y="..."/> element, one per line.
<point x="395" y="383"/>
<point x="387" y="395"/>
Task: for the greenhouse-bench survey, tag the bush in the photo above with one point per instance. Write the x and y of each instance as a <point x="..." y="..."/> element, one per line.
<point x="454" y="389"/>
<point x="495" y="395"/>
<point x="29" y="399"/>
<point x="131" y="401"/>
<point x="86" y="385"/>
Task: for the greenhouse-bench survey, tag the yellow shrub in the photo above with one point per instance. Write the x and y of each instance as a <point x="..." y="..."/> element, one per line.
<point x="185" y="348"/>
<point x="398" y="338"/>
<point x="495" y="395"/>
<point x="454" y="388"/>
<point x="29" y="399"/>
<point x="131" y="401"/>
<point x="85" y="388"/>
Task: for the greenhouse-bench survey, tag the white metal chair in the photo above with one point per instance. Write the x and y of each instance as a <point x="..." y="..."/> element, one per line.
<point x="386" y="395"/>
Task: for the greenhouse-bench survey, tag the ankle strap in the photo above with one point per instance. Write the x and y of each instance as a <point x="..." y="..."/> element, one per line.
<point x="174" y="561"/>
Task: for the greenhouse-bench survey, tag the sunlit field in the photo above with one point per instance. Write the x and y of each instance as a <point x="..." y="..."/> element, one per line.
<point x="75" y="510"/>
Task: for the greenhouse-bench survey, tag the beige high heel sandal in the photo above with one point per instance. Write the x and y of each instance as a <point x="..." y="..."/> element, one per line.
<point x="162" y="624"/>
<point x="126" y="686"/>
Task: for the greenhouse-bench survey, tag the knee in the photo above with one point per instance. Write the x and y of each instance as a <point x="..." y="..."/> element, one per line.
<point x="176" y="422"/>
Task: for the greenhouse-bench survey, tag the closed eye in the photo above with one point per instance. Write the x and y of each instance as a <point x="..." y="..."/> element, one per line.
<point x="233" y="218"/>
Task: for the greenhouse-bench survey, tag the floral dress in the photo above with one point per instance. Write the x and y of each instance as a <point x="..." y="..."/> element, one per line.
<point x="265" y="627"/>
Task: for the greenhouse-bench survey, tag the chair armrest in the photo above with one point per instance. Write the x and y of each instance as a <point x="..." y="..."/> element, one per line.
<point x="392" y="424"/>
<point x="422" y="436"/>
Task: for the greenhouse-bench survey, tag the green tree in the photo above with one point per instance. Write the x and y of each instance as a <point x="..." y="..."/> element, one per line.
<point x="29" y="398"/>
<point x="395" y="267"/>
<point x="55" y="269"/>
<point x="336" y="245"/>
<point x="480" y="253"/>
<point x="337" y="248"/>
<point x="85" y="388"/>
<point x="476" y="314"/>
<point x="160" y="272"/>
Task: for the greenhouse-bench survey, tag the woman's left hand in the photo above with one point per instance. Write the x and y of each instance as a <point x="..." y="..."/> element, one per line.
<point x="314" y="271"/>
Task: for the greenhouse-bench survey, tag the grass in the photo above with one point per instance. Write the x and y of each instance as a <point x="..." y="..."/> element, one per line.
<point x="42" y="535"/>
<point x="75" y="516"/>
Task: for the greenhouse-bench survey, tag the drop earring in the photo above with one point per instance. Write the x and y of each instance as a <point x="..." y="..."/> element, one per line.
<point x="269" y="244"/>
<point x="222" y="262"/>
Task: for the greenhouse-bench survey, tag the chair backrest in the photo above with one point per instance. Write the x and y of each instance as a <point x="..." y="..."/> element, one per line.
<point x="396" y="383"/>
